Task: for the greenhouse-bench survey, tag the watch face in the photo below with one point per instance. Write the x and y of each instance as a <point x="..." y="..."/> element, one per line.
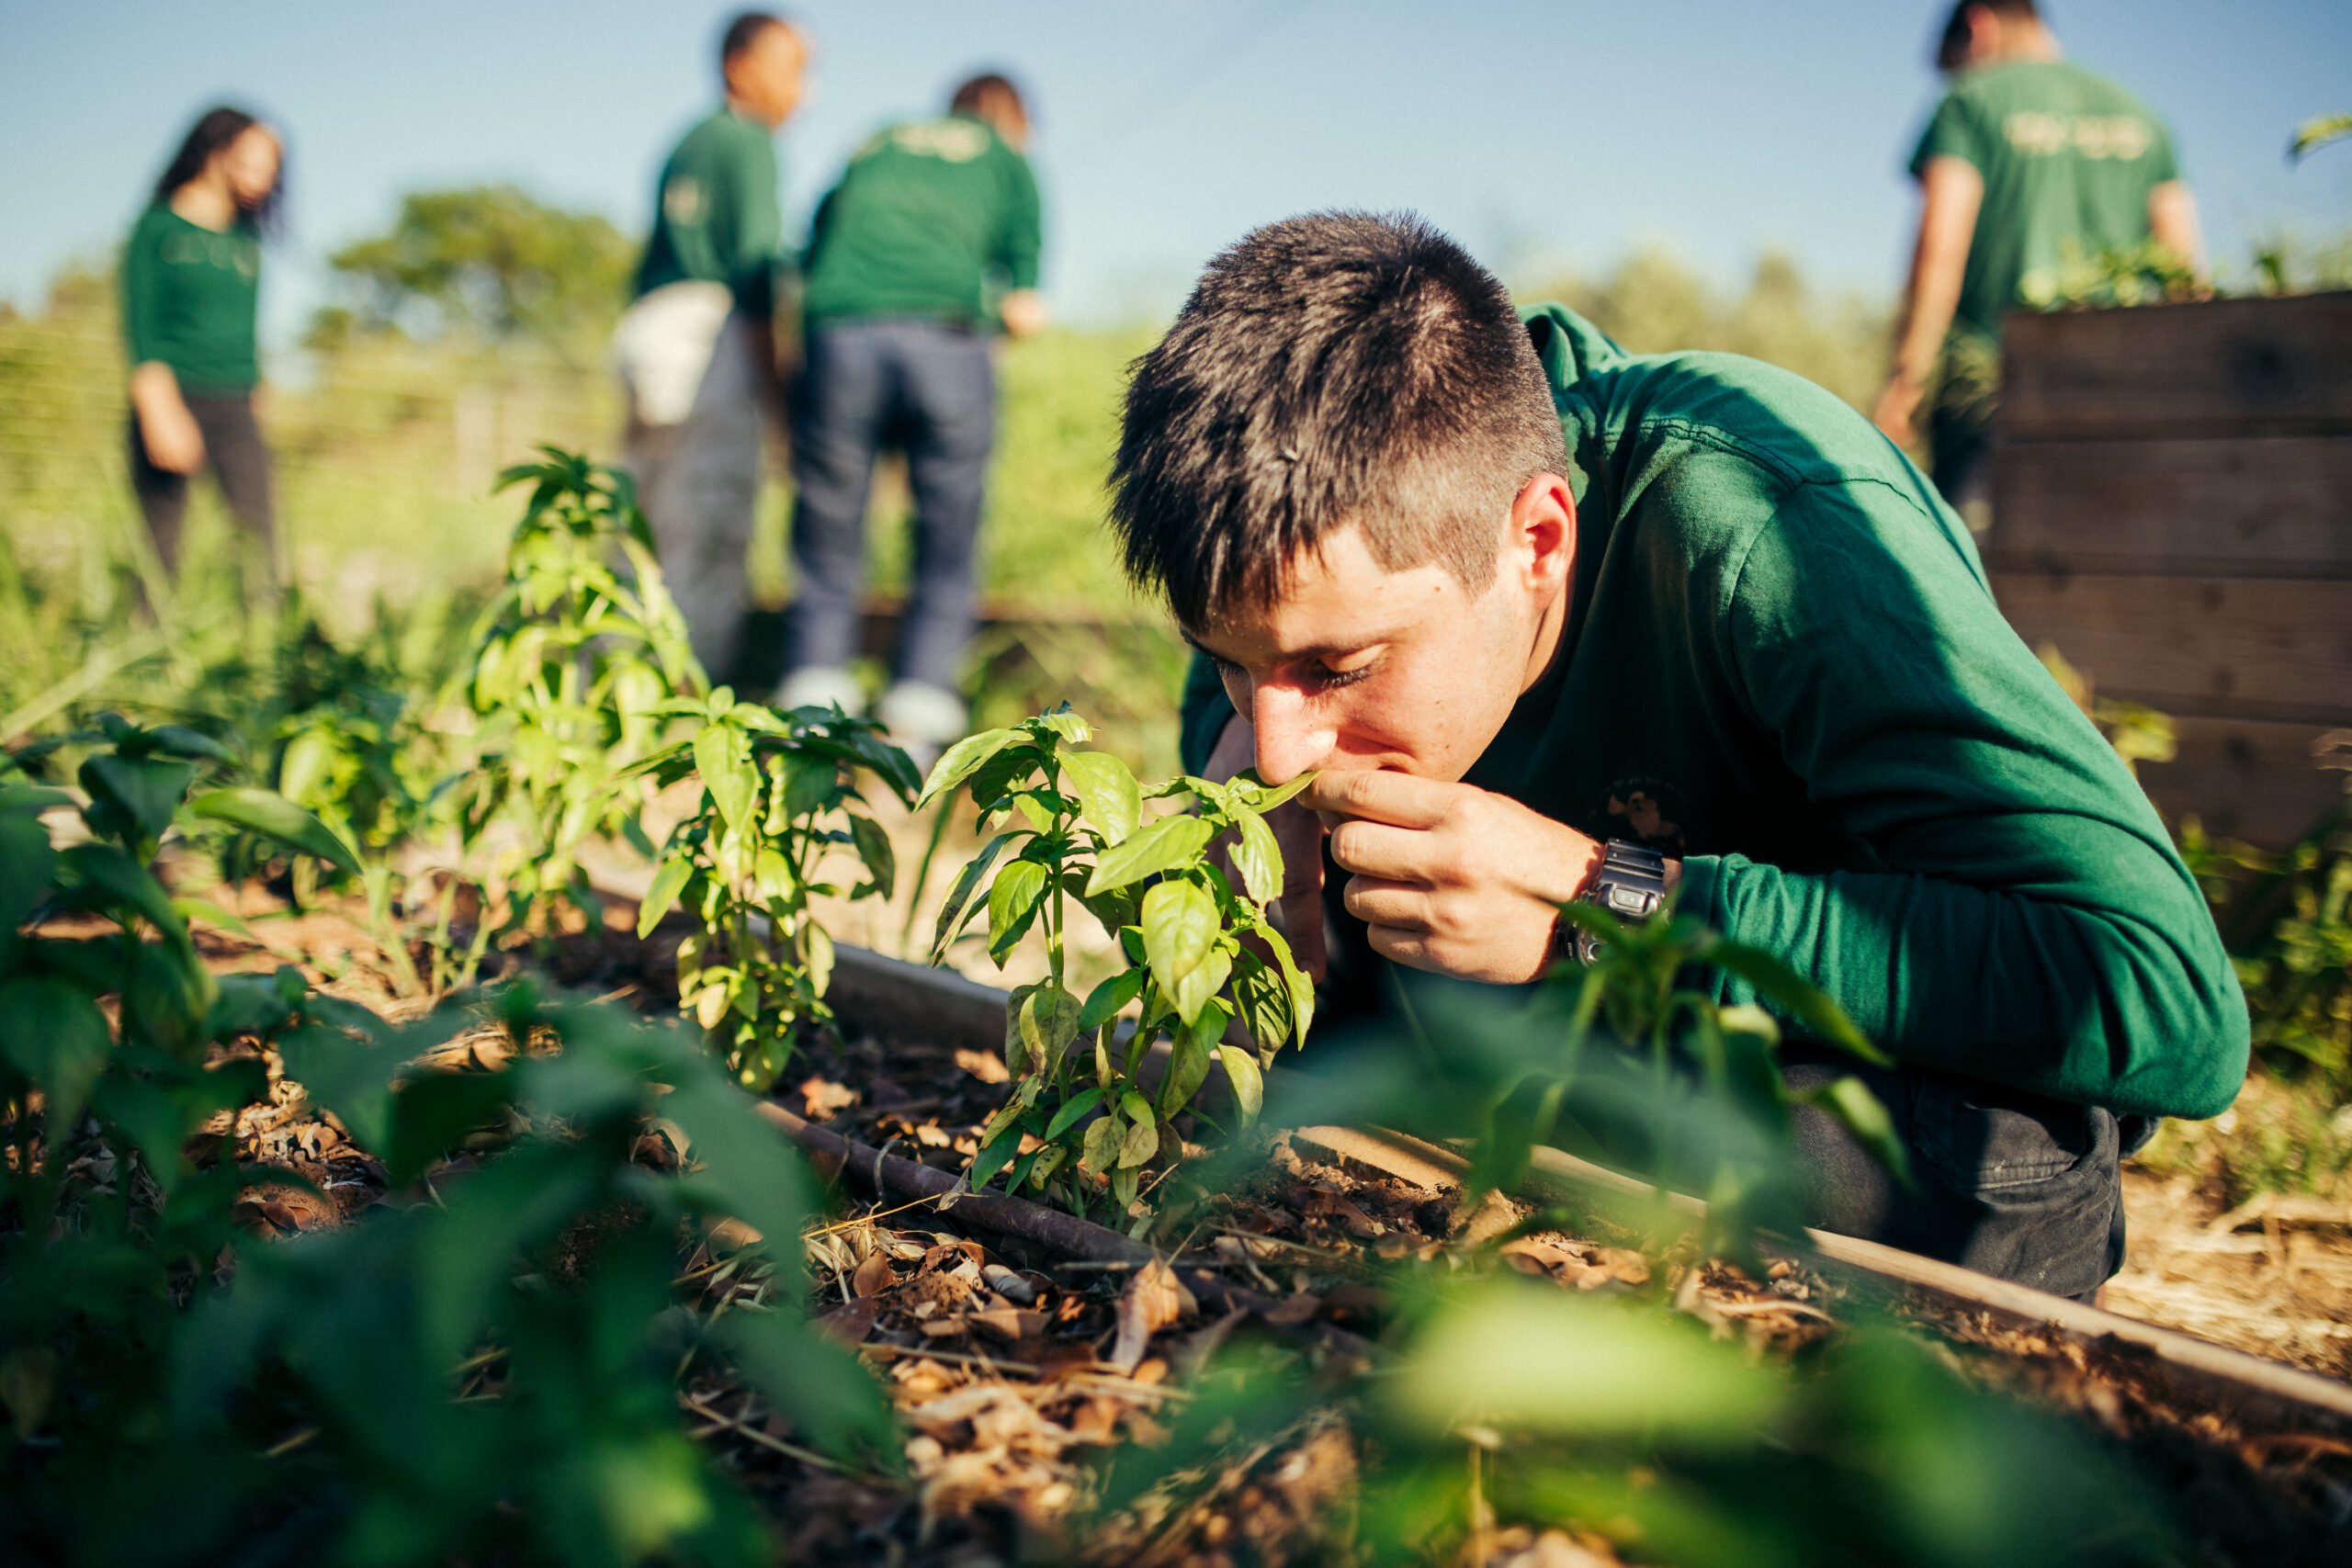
<point x="1625" y="901"/>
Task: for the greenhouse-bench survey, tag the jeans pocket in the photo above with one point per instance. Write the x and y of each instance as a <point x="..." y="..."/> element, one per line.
<point x="1985" y="1137"/>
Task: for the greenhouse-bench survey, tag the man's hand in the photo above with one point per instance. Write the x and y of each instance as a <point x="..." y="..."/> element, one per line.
<point x="1897" y="411"/>
<point x="1298" y="833"/>
<point x="1450" y="877"/>
<point x="1022" y="311"/>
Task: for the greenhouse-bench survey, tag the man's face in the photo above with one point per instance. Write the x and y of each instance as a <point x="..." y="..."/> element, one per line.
<point x="1359" y="667"/>
<point x="767" y="77"/>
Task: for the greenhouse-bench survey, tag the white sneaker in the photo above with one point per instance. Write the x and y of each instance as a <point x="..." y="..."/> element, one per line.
<point x="819" y="686"/>
<point x="923" y="719"/>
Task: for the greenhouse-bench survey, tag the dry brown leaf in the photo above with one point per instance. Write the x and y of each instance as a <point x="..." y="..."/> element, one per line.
<point x="1292" y="1311"/>
<point x="1623" y="1263"/>
<point x="1153" y="1300"/>
<point x="849" y="1323"/>
<point x="874" y="1275"/>
<point x="985" y="1066"/>
<point x="941" y="1327"/>
<point x="1531" y="1255"/>
<point x="1009" y="1323"/>
<point x="733" y="1232"/>
<point x="1152" y="1372"/>
<point x="1360" y="1226"/>
<point x="1096" y="1421"/>
<point x="824" y="1097"/>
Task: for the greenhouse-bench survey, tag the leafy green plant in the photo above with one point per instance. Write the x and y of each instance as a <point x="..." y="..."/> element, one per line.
<point x="114" y="1052"/>
<point x="2286" y="919"/>
<point x="571" y="668"/>
<point x="778" y="798"/>
<point x="1200" y="951"/>
<point x="1638" y="996"/>
<point x="1515" y="1408"/>
<point x="497" y="1370"/>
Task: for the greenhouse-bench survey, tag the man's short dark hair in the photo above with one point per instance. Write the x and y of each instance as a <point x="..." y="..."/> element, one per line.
<point x="1952" y="52"/>
<point x="1336" y="368"/>
<point x="987" y="95"/>
<point x="743" y="31"/>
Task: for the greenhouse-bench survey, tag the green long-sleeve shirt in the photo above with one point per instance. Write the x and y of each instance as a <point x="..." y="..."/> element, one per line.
<point x="927" y="219"/>
<point x="189" y="298"/>
<point x="1783" y="665"/>
<point x="716" y="215"/>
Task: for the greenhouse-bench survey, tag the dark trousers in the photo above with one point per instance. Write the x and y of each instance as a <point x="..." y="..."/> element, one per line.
<point x="234" y="451"/>
<point x="2006" y="1182"/>
<point x="930" y="390"/>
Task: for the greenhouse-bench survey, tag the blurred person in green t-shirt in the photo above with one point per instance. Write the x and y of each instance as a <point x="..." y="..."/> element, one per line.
<point x="696" y="348"/>
<point x="2029" y="168"/>
<point x="927" y="247"/>
<point x="191" y="285"/>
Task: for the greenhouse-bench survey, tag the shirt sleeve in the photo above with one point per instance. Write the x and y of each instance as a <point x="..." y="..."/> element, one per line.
<point x="142" y="303"/>
<point x="753" y="250"/>
<point x="2023" y="917"/>
<point x="2164" y="163"/>
<point x="1953" y="131"/>
<point x="1020" y="239"/>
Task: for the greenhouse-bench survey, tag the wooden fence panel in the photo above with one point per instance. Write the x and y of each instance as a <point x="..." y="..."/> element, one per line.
<point x="2220" y="368"/>
<point x="2258" y="506"/>
<point x="2244" y="779"/>
<point x="2244" y="647"/>
<point x="2173" y="509"/>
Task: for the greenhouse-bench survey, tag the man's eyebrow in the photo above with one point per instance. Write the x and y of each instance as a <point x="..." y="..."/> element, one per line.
<point x="1318" y="650"/>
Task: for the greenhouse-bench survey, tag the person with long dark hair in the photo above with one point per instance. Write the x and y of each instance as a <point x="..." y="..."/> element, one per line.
<point x="191" y="277"/>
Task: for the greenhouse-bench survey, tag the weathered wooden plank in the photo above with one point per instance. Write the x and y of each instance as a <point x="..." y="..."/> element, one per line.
<point x="2243" y="779"/>
<point x="2248" y="648"/>
<point x="2223" y="367"/>
<point x="2260" y="506"/>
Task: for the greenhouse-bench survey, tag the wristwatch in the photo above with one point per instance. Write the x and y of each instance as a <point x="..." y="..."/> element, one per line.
<point x="1630" y="884"/>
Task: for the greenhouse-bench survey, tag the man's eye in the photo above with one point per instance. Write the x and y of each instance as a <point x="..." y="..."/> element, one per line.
<point x="1327" y="679"/>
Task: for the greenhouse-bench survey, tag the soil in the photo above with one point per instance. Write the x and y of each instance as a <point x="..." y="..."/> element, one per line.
<point x="1006" y="1363"/>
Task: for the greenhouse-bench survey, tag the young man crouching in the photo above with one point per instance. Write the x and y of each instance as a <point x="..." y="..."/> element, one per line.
<point x="1558" y="622"/>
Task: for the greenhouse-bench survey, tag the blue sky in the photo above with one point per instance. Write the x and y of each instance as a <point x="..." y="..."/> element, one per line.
<point x="1540" y="133"/>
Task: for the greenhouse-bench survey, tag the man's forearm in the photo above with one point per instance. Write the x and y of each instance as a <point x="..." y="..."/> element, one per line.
<point x="2136" y="1010"/>
<point x="1951" y="193"/>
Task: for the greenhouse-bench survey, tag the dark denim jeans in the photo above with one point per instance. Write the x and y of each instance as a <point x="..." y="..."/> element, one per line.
<point x="929" y="389"/>
<point x="2009" y="1183"/>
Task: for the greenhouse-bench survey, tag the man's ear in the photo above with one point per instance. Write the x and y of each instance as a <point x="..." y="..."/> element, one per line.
<point x="1541" y="543"/>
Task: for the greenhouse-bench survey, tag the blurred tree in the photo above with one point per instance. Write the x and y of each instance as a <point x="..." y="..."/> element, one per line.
<point x="488" y="261"/>
<point x="1651" y="303"/>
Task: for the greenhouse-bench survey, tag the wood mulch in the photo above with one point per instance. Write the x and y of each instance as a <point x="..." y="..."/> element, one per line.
<point x="1015" y="1380"/>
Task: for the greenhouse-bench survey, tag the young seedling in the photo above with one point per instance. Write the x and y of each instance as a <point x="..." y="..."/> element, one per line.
<point x="777" y="799"/>
<point x="1733" y="1136"/>
<point x="572" y="665"/>
<point x="1200" y="951"/>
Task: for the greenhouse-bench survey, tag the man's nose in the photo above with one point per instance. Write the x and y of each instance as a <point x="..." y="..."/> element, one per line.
<point x="1291" y="738"/>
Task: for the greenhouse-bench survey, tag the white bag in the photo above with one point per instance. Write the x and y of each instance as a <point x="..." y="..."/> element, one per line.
<point x="661" y="346"/>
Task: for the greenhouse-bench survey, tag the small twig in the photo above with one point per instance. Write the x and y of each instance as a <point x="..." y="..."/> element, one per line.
<point x="1003" y="1369"/>
<point x="280" y="1450"/>
<point x="723" y="1423"/>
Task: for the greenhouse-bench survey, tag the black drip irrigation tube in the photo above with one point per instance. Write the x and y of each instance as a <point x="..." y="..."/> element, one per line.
<point x="1065" y="1236"/>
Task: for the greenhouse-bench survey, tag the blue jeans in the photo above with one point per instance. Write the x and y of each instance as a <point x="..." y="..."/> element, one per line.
<point x="930" y="390"/>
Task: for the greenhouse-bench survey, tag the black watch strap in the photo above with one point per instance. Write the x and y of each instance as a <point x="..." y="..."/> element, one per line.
<point x="1630" y="884"/>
